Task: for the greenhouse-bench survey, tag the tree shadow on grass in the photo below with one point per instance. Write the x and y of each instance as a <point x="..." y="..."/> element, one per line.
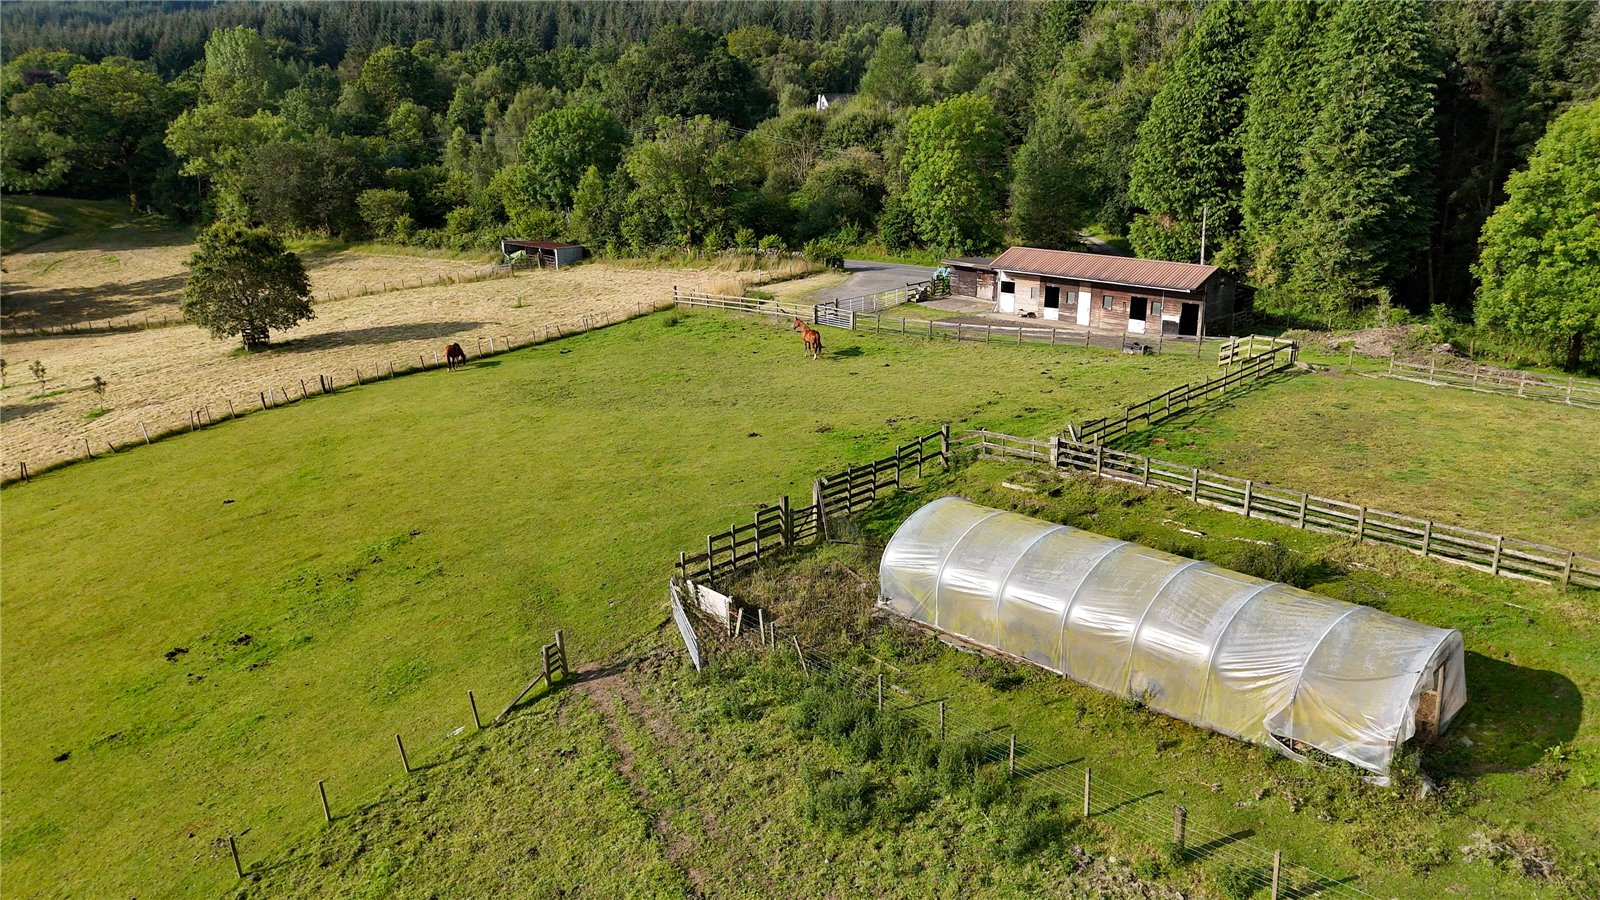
<point x="377" y="334"/>
<point x="1513" y="715"/>
<point x="11" y="412"/>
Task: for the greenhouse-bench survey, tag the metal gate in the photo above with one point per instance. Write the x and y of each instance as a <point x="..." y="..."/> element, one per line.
<point x="833" y="315"/>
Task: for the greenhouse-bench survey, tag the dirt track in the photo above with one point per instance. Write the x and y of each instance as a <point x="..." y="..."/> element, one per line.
<point x="158" y="376"/>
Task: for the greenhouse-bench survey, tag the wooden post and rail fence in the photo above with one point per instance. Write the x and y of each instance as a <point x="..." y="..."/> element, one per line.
<point x="1280" y="355"/>
<point x="1495" y="554"/>
<point x="1505" y="382"/>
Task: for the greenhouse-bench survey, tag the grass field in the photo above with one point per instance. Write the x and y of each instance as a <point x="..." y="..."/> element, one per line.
<point x="1523" y="468"/>
<point x="202" y="629"/>
<point x="1520" y="769"/>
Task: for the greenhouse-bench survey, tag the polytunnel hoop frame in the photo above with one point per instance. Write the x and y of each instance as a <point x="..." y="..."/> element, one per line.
<point x="1133" y="636"/>
<point x="1222" y="635"/>
<point x="1066" y="611"/>
<point x="1433" y="663"/>
<point x="1005" y="583"/>
<point x="1300" y="676"/>
<point x="938" y="574"/>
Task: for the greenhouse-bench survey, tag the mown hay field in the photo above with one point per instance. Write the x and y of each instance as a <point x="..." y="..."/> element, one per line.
<point x="157" y="377"/>
<point x="1527" y="469"/>
<point x="202" y="629"/>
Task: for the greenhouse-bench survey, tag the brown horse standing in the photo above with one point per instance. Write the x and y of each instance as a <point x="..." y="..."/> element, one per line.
<point x="454" y="356"/>
<point x="811" y="337"/>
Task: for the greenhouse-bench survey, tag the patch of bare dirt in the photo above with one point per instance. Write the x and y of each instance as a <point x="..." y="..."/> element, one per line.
<point x="615" y="695"/>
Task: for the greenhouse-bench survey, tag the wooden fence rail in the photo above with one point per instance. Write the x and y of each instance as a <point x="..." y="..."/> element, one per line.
<point x="1489" y="380"/>
<point x="100" y="438"/>
<point x="1496" y="554"/>
<point x="780" y="526"/>
<point x="740" y="304"/>
<point x="1181" y="398"/>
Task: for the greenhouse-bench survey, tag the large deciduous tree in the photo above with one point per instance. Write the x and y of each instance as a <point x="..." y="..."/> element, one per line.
<point x="243" y="283"/>
<point x="1187" y="164"/>
<point x="563" y="143"/>
<point x="683" y="71"/>
<point x="1540" y="265"/>
<point x="955" y="167"/>
<point x="688" y="172"/>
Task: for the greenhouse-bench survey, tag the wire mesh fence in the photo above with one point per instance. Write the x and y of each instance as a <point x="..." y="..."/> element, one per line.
<point x="1139" y="812"/>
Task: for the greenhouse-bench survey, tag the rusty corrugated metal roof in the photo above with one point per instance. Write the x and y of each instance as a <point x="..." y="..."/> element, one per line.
<point x="1146" y="273"/>
<point x="968" y="262"/>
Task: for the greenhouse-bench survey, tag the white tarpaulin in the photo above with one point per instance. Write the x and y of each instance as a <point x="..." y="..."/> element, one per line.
<point x="1250" y="658"/>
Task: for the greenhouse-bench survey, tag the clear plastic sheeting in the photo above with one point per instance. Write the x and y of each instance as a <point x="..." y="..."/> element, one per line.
<point x="1254" y="659"/>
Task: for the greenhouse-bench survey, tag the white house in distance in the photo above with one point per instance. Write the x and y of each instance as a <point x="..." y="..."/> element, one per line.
<point x="1100" y="292"/>
<point x="828" y="101"/>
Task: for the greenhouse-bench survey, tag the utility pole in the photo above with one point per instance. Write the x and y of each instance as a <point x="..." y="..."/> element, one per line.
<point x="1204" y="210"/>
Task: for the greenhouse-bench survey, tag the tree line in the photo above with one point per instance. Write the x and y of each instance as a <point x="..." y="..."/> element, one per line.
<point x="1347" y="159"/>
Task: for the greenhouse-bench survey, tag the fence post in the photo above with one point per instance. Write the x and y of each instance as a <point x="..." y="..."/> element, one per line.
<point x="234" y="849"/>
<point x="941" y="720"/>
<point x="146" y="432"/>
<point x="1194" y="484"/>
<point x="1099" y="454"/>
<point x="1391" y="363"/>
<point x="1499" y="542"/>
<point x="327" y="815"/>
<point x="880" y="692"/>
<point x="1179" y="820"/>
<point x="1055" y="455"/>
<point x="1277" y="864"/>
<point x="1300" y="522"/>
<point x="1147" y="482"/>
<point x="816" y="503"/>
<point x="1249" y="488"/>
<point x="1427" y="537"/>
<point x="1566" y="571"/>
<point x="1088" y="777"/>
<point x="404" y="763"/>
<point x="1011" y="753"/>
<point x="785" y="521"/>
<point x="711" y="561"/>
<point x="944" y="443"/>
<point x="231" y="413"/>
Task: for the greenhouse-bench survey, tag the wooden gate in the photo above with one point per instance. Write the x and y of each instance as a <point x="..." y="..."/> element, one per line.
<point x="833" y="315"/>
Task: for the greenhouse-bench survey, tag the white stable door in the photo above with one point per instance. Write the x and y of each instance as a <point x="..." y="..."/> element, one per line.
<point x="1083" y="307"/>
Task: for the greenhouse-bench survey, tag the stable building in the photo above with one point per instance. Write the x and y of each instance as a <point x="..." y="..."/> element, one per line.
<point x="1106" y="294"/>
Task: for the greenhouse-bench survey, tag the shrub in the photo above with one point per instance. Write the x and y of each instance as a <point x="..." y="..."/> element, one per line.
<point x="1274" y="562"/>
<point x="840" y="800"/>
<point x="772" y="242"/>
<point x="1237" y="882"/>
<point x="959" y="760"/>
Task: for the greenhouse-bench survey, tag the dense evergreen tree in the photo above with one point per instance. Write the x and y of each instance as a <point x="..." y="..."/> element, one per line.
<point x="1188" y="162"/>
<point x="1540" y="267"/>
<point x="1366" y="197"/>
<point x="892" y="77"/>
<point x="1279" y="116"/>
<point x="1049" y="206"/>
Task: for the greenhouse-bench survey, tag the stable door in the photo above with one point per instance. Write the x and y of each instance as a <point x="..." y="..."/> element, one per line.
<point x="1083" y="307"/>
<point x="1052" y="302"/>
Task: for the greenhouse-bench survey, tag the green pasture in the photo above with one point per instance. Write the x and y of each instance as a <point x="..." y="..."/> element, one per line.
<point x="1524" y="468"/>
<point x="30" y="218"/>
<point x="198" y="631"/>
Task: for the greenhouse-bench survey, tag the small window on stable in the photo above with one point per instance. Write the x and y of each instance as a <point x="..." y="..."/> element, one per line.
<point x="1008" y="287"/>
<point x="1155" y="309"/>
<point x="1033" y="293"/>
<point x="1136" y="307"/>
<point x="1105" y="302"/>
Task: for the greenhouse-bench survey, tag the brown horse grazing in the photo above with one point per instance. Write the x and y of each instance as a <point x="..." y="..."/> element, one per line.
<point x="454" y="356"/>
<point x="811" y="337"/>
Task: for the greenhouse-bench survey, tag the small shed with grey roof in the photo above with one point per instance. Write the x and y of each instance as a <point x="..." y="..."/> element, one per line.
<point x="540" y="254"/>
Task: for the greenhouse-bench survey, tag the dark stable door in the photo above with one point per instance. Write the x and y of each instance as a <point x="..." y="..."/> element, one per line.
<point x="1189" y="319"/>
<point x="1052" y="297"/>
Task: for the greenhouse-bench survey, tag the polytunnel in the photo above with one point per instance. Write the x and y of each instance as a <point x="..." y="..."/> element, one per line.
<point x="1254" y="659"/>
